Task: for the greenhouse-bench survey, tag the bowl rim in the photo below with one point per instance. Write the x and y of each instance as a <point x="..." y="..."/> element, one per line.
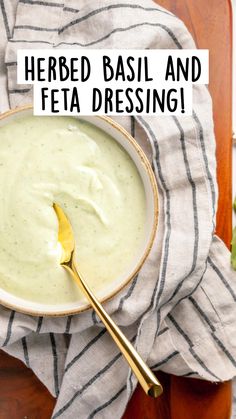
<point x="126" y="281"/>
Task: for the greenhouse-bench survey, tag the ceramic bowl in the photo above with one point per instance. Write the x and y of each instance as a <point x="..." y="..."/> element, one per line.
<point x="147" y="176"/>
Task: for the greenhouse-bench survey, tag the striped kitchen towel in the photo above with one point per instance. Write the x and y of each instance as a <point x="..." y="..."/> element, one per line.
<point x="180" y="310"/>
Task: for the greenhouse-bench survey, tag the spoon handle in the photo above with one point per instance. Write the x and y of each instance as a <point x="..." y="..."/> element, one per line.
<point x="145" y="376"/>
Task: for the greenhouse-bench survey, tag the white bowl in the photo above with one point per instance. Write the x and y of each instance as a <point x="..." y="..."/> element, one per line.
<point x="147" y="176"/>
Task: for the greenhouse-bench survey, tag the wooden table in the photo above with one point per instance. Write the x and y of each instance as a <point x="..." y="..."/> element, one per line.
<point x="209" y="21"/>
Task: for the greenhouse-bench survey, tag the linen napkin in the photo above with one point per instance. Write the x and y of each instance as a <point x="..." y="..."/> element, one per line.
<point x="180" y="310"/>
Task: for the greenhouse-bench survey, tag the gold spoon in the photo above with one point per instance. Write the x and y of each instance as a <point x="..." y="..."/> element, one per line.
<point x="147" y="379"/>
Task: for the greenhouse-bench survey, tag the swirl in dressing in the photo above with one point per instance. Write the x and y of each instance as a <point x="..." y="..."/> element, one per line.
<point x="71" y="162"/>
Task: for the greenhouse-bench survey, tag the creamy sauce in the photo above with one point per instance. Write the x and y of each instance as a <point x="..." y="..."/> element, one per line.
<point x="71" y="162"/>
